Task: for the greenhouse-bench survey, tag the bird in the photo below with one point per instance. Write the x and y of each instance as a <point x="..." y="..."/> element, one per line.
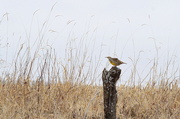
<point x="115" y="61"/>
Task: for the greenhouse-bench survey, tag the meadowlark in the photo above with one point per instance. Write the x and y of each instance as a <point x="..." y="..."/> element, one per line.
<point x="115" y="61"/>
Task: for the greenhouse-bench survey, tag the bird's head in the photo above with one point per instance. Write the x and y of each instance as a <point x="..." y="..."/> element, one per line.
<point x="108" y="57"/>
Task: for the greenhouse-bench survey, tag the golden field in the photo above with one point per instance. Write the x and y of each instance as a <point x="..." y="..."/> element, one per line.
<point x="67" y="101"/>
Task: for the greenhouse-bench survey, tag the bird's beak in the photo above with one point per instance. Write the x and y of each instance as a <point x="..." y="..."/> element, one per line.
<point x="124" y="63"/>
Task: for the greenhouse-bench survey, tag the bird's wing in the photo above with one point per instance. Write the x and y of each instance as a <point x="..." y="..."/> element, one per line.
<point x="115" y="59"/>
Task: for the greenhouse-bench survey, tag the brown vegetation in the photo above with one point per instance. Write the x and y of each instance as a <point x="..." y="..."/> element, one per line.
<point x="32" y="100"/>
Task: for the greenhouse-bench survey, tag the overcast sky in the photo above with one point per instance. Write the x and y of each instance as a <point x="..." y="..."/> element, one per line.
<point x="121" y="28"/>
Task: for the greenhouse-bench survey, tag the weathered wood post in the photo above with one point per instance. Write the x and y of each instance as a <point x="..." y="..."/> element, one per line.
<point x="109" y="89"/>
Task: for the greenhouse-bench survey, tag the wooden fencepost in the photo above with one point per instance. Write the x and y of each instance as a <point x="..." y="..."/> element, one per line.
<point x="109" y="79"/>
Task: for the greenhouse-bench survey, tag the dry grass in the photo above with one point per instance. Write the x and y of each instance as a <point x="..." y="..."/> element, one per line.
<point x="61" y="92"/>
<point x="58" y="101"/>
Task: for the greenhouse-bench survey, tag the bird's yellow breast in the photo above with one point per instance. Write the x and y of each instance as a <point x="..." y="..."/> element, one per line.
<point x="113" y="63"/>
